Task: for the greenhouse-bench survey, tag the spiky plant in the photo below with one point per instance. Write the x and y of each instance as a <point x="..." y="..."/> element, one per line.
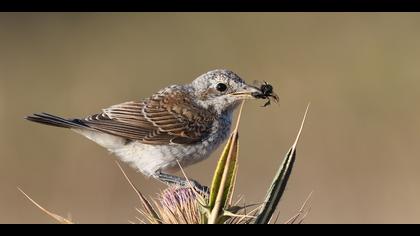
<point x="186" y="205"/>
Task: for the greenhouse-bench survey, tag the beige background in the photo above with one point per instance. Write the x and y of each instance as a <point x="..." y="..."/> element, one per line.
<point x="359" y="151"/>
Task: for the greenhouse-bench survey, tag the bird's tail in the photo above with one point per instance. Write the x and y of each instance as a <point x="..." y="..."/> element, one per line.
<point x="48" y="119"/>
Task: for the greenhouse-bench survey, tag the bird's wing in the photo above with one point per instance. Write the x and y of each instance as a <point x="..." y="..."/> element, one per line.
<point x="167" y="117"/>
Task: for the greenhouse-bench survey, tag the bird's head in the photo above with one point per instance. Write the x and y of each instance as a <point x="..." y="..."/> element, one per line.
<point x="223" y="90"/>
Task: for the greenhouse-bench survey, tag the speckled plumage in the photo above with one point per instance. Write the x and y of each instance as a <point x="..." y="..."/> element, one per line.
<point x="180" y="122"/>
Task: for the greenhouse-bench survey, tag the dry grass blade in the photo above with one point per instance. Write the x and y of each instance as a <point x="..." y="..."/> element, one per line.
<point x="152" y="216"/>
<point x="58" y="218"/>
<point x="245" y="218"/>
<point x="201" y="200"/>
<point x="304" y="216"/>
<point x="301" y="212"/>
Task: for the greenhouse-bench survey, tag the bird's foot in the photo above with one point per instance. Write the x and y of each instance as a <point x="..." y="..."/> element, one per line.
<point x="176" y="180"/>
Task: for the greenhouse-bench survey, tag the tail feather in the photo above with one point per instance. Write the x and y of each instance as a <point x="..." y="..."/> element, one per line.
<point x="48" y="119"/>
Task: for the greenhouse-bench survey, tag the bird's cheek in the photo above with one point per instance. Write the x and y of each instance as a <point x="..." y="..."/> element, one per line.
<point x="231" y="99"/>
<point x="208" y="94"/>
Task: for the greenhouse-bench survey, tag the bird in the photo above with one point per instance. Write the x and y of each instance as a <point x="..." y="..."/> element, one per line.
<point x="179" y="125"/>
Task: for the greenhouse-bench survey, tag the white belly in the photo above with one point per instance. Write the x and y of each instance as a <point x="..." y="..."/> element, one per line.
<point x="152" y="158"/>
<point x="149" y="159"/>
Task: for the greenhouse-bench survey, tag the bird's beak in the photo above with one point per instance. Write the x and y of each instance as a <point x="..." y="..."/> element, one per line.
<point x="247" y="92"/>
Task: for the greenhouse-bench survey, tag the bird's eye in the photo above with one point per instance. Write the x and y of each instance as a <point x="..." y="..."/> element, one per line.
<point x="221" y="87"/>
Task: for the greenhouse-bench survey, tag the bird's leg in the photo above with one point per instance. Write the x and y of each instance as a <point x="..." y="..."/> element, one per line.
<point x="176" y="180"/>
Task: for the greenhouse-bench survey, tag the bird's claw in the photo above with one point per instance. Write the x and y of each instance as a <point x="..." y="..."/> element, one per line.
<point x="178" y="181"/>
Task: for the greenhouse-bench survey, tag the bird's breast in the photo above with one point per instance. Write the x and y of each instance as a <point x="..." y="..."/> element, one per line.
<point x="220" y="131"/>
<point x="151" y="158"/>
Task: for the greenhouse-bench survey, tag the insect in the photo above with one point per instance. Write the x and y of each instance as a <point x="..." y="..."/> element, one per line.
<point x="266" y="92"/>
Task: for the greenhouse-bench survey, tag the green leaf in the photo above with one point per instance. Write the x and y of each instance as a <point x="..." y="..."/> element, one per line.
<point x="279" y="183"/>
<point x="225" y="174"/>
<point x="218" y="174"/>
<point x="232" y="185"/>
<point x="224" y="177"/>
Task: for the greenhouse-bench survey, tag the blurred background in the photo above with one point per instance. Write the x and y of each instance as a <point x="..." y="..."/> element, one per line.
<point x="359" y="151"/>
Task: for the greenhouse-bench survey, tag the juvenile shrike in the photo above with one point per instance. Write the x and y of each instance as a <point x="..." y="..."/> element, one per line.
<point x="183" y="123"/>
